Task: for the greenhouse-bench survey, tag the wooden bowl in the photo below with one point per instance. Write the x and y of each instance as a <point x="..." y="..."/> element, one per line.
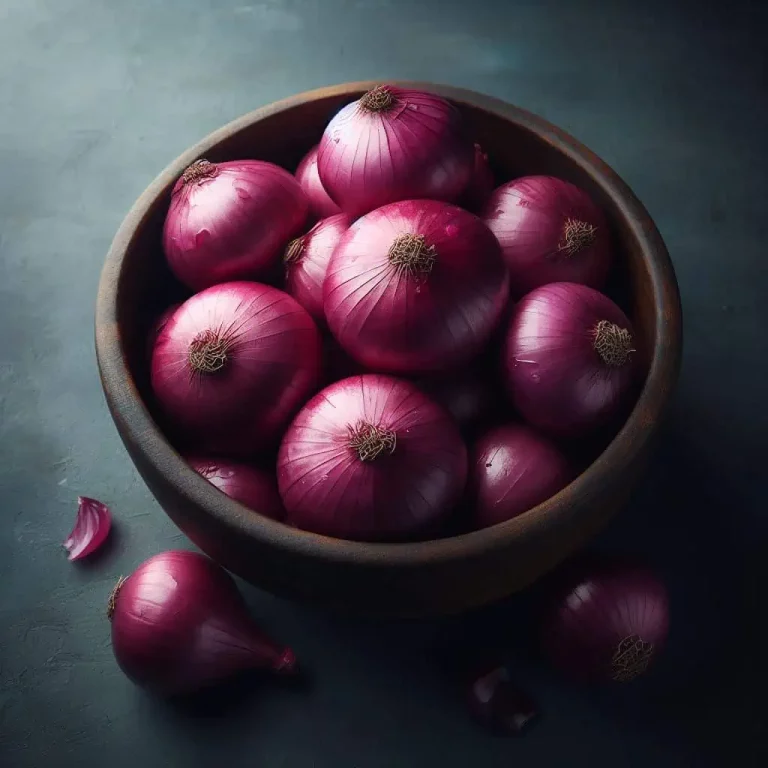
<point x="432" y="577"/>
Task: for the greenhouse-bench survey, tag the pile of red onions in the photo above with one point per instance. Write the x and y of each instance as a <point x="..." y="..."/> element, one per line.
<point x="388" y="253"/>
<point x="415" y="287"/>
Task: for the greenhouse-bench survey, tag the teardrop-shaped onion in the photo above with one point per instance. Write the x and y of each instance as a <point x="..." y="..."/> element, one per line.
<point x="394" y="144"/>
<point x="320" y="204"/>
<point x="253" y="487"/>
<point x="415" y="287"/>
<point x="306" y="262"/>
<point x="231" y="221"/>
<point x="371" y="458"/>
<point x="569" y="359"/>
<point x="550" y="231"/>
<point x="234" y="364"/>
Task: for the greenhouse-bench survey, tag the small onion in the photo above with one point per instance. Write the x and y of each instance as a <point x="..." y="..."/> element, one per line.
<point x="513" y="469"/>
<point x="231" y="221"/>
<point x="253" y="487"/>
<point x="568" y="359"/>
<point x="306" y="262"/>
<point x="179" y="624"/>
<point x="481" y="184"/>
<point x="415" y="287"/>
<point x="394" y="144"/>
<point x="371" y="458"/>
<point x="550" y="231"/>
<point x="320" y="203"/>
<point x="607" y="620"/>
<point x="233" y="365"/>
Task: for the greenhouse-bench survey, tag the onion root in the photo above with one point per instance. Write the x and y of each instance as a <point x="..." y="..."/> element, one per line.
<point x="613" y="344"/>
<point x="411" y="254"/>
<point x="208" y="352"/>
<point x="378" y="99"/>
<point x="369" y="441"/>
<point x="294" y="251"/>
<point x="199" y="170"/>
<point x="577" y="234"/>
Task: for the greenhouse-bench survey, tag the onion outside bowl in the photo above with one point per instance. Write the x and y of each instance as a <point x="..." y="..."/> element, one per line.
<point x="435" y="577"/>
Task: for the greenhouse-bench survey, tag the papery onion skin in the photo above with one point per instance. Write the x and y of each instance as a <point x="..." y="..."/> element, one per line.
<point x="320" y="204"/>
<point x="427" y="316"/>
<point x="550" y="231"/>
<point x="394" y="144"/>
<point x="231" y="221"/>
<point x="500" y="705"/>
<point x="272" y="364"/>
<point x="558" y="380"/>
<point x="179" y="624"/>
<point x="306" y="262"/>
<point x="253" y="487"/>
<point x="606" y="620"/>
<point x="481" y="183"/>
<point x="92" y="526"/>
<point x="512" y="469"/>
<point x="406" y="490"/>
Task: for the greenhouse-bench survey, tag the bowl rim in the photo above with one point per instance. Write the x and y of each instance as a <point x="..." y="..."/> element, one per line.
<point x="137" y="426"/>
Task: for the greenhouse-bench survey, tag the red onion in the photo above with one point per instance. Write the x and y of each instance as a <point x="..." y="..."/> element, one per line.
<point x="158" y="326"/>
<point x="92" y="527"/>
<point x="415" y="287"/>
<point x="231" y="221"/>
<point x="467" y="395"/>
<point x="513" y="469"/>
<point x="568" y="358"/>
<point x="498" y="704"/>
<point x="394" y="144"/>
<point x="371" y="458"/>
<point x="179" y="624"/>
<point x="550" y="231"/>
<point x="252" y="487"/>
<point x="233" y="365"/>
<point x="607" y="620"/>
<point x="481" y="183"/>
<point x="320" y="202"/>
<point x="306" y="262"/>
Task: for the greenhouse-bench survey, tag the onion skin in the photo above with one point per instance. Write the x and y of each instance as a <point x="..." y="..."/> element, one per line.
<point x="320" y="204"/>
<point x="406" y="491"/>
<point x="540" y="222"/>
<point x="273" y="365"/>
<point x="232" y="224"/>
<point x="157" y="326"/>
<point x="556" y="377"/>
<point x="500" y="705"/>
<point x="481" y="184"/>
<point x="179" y="624"/>
<point x="306" y="263"/>
<point x="252" y="487"/>
<point x="92" y="526"/>
<point x="607" y="620"/>
<point x="415" y="148"/>
<point x="512" y="470"/>
<point x="395" y="322"/>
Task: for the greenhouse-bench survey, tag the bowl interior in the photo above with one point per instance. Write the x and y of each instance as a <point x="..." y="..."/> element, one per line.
<point x="284" y="135"/>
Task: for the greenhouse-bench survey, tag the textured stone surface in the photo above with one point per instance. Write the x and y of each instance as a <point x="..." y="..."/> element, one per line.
<point x="97" y="96"/>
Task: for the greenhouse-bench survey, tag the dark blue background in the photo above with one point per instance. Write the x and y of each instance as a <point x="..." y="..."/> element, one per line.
<point x="98" y="95"/>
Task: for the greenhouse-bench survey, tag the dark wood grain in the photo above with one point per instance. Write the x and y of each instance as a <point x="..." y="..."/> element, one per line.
<point x="435" y="577"/>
